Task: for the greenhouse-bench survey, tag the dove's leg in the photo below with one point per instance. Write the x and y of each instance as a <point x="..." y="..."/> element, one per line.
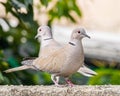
<point x="55" y="79"/>
<point x="69" y="82"/>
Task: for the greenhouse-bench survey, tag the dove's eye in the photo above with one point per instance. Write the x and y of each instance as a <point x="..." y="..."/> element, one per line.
<point x="78" y="31"/>
<point x="39" y="29"/>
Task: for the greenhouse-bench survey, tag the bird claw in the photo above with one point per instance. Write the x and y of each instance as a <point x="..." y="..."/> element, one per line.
<point x="70" y="83"/>
<point x="56" y="84"/>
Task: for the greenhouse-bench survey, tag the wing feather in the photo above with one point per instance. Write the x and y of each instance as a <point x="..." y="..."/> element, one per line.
<point x="51" y="63"/>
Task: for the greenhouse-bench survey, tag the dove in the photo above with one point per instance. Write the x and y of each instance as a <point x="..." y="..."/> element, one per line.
<point x="45" y="34"/>
<point x="64" y="61"/>
<point x="49" y="45"/>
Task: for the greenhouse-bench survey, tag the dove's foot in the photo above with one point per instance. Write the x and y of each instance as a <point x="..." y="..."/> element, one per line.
<point x="56" y="84"/>
<point x="55" y="79"/>
<point x="69" y="83"/>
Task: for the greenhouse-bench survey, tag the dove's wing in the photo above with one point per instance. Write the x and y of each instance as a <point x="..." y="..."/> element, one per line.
<point x="84" y="70"/>
<point x="52" y="63"/>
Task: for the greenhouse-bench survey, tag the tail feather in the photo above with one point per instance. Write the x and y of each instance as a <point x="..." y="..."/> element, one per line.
<point x="27" y="62"/>
<point x="86" y="71"/>
<point x="17" y="69"/>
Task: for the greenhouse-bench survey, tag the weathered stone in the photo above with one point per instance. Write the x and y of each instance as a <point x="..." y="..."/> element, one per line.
<point x="77" y="90"/>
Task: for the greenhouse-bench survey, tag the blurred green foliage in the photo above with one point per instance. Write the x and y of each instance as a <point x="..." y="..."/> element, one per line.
<point x="63" y="8"/>
<point x="106" y="76"/>
<point x="17" y="40"/>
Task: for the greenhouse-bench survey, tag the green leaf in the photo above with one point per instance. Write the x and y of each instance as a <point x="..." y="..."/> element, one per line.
<point x="105" y="76"/>
<point x="73" y="6"/>
<point x="62" y="9"/>
<point x="71" y="18"/>
<point x="28" y="2"/>
<point x="13" y="62"/>
<point x="45" y="2"/>
<point x="7" y="6"/>
<point x="1" y="78"/>
<point x="12" y="78"/>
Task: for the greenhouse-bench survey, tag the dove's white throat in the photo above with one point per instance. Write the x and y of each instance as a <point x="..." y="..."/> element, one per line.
<point x="46" y="41"/>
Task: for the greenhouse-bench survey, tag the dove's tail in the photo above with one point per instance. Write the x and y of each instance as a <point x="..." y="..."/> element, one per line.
<point x="86" y="71"/>
<point x="26" y="64"/>
<point x="17" y="69"/>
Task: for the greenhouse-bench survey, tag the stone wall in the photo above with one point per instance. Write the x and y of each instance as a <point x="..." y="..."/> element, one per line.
<point x="77" y="90"/>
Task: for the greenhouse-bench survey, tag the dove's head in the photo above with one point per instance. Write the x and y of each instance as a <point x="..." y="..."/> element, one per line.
<point x="44" y="32"/>
<point x="79" y="33"/>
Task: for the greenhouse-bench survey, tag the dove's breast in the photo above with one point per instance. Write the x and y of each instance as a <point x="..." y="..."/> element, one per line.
<point x="49" y="48"/>
<point x="74" y="60"/>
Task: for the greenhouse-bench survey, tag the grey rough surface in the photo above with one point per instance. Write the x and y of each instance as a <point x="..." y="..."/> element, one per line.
<point x="77" y="90"/>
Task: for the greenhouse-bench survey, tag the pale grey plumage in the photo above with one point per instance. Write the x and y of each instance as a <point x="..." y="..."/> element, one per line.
<point x="72" y="61"/>
<point x="49" y="45"/>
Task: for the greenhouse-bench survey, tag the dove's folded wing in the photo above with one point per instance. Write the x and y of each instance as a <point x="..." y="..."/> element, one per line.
<point x="52" y="63"/>
<point x="84" y="70"/>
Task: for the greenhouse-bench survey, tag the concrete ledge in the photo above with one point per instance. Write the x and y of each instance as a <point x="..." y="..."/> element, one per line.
<point x="81" y="90"/>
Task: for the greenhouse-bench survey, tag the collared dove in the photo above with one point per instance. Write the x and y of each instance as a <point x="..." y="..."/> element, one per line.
<point x="49" y="45"/>
<point x="63" y="62"/>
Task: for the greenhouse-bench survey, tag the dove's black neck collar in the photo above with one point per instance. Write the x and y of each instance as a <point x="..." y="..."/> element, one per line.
<point x="72" y="44"/>
<point x="48" y="38"/>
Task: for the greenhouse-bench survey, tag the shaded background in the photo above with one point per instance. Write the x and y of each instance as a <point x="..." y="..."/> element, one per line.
<point x="19" y="20"/>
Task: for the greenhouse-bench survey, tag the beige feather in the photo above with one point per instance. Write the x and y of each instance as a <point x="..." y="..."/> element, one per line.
<point x="17" y="69"/>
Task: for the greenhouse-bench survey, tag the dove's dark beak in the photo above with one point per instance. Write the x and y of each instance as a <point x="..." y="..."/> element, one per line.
<point x="37" y="36"/>
<point x="87" y="36"/>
